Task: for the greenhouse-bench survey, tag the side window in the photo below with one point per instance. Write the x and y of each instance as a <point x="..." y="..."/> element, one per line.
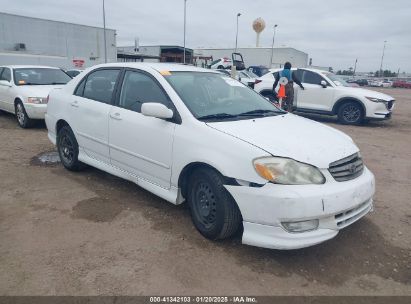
<point x="6" y="75"/>
<point x="80" y="88"/>
<point x="1" y="70"/>
<point x="311" y="77"/>
<point x="275" y="75"/>
<point x="298" y="74"/>
<point x="139" y="88"/>
<point x="100" y="85"/>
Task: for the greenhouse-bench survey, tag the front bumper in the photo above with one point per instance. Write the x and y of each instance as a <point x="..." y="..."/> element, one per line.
<point x="335" y="204"/>
<point x="379" y="110"/>
<point x="35" y="111"/>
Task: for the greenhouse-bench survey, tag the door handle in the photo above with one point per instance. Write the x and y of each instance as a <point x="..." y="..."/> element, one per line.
<point x="116" y="116"/>
<point x="74" y="104"/>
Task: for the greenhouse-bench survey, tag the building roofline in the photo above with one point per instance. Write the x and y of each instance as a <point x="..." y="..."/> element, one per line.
<point x="251" y="48"/>
<point x="72" y="23"/>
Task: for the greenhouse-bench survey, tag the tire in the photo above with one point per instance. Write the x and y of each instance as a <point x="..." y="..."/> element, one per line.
<point x="214" y="212"/>
<point x="23" y="119"/>
<point x="350" y="113"/>
<point x="220" y="67"/>
<point x="67" y="147"/>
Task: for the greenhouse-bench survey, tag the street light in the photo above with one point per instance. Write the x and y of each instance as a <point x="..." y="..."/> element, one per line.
<point x="272" y="48"/>
<point x="185" y="10"/>
<point x="104" y="27"/>
<point x="236" y="35"/>
<point x="382" y="58"/>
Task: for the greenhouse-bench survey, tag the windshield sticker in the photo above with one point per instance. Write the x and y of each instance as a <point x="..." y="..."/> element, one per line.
<point x="165" y="73"/>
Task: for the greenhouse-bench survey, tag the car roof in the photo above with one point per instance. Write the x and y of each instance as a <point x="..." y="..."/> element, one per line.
<point x="29" y="67"/>
<point x="172" y="67"/>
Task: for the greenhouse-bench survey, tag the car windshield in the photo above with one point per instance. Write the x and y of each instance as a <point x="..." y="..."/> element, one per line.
<point x="250" y="74"/>
<point x="338" y="81"/>
<point x="216" y="97"/>
<point x="40" y="76"/>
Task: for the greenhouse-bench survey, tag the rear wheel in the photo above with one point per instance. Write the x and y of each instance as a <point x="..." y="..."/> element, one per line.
<point x="351" y="113"/>
<point x="214" y="212"/>
<point x="67" y="147"/>
<point x="220" y="67"/>
<point x="23" y="119"/>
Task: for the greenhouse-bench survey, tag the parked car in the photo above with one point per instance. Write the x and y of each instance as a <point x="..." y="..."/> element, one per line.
<point x="361" y="82"/>
<point x="195" y="135"/>
<point x="247" y="77"/>
<point x="402" y="84"/>
<point x="24" y="90"/>
<point x="352" y="83"/>
<point x="381" y="83"/>
<point x="221" y="63"/>
<point x="73" y="73"/>
<point x="326" y="93"/>
<point x="259" y="70"/>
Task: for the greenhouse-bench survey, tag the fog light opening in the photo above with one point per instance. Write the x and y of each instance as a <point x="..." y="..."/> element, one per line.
<point x="302" y="226"/>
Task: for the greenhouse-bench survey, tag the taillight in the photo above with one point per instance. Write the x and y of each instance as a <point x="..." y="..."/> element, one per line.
<point x="257" y="81"/>
<point x="226" y="60"/>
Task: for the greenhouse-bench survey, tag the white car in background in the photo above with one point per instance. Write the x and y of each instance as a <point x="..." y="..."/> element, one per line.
<point x="221" y="63"/>
<point x="24" y="90"/>
<point x="326" y="93"/>
<point x="196" y="135"/>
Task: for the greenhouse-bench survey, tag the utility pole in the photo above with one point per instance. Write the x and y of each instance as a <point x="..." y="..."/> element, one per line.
<point x="272" y="48"/>
<point x="104" y="27"/>
<point x="382" y="58"/>
<point x="236" y="35"/>
<point x="185" y="16"/>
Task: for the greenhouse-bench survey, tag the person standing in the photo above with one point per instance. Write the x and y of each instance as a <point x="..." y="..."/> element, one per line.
<point x="289" y="87"/>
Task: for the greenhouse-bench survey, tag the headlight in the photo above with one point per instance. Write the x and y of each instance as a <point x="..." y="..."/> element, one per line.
<point x="376" y="99"/>
<point x="287" y="171"/>
<point x="37" y="100"/>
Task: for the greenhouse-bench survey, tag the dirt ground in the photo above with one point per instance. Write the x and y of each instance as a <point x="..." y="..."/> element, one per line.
<point x="91" y="233"/>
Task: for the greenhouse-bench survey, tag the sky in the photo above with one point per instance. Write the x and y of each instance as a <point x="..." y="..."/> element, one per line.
<point x="333" y="32"/>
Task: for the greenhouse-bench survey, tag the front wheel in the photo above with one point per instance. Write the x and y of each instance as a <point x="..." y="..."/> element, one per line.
<point x="214" y="212"/>
<point x="350" y="113"/>
<point x="67" y="147"/>
<point x="23" y="119"/>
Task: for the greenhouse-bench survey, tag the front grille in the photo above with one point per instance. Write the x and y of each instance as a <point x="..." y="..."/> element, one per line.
<point x="348" y="217"/>
<point x="347" y="168"/>
<point x="390" y="104"/>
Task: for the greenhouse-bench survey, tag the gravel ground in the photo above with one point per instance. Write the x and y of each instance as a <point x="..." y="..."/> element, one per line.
<point x="91" y="233"/>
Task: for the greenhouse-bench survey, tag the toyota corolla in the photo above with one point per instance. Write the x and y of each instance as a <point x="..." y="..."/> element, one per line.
<point x="195" y="135"/>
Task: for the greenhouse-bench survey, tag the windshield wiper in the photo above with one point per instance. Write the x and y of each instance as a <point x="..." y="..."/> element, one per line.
<point x="217" y="116"/>
<point x="260" y="113"/>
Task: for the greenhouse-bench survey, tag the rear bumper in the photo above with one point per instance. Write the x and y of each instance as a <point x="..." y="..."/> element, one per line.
<point x="35" y="111"/>
<point x="334" y="204"/>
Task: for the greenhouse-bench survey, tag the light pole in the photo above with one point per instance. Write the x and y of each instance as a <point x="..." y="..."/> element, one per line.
<point x="185" y="11"/>
<point x="355" y="67"/>
<point x="272" y="48"/>
<point x="236" y="35"/>
<point x="382" y="58"/>
<point x="104" y="27"/>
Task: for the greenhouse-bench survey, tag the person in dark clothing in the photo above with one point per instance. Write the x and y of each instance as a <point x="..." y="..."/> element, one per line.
<point x="289" y="87"/>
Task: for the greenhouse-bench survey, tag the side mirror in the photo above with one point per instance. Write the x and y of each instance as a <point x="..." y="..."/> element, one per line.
<point x="5" y="83"/>
<point x="157" y="110"/>
<point x="323" y="83"/>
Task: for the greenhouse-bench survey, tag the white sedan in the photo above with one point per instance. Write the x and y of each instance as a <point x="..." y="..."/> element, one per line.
<point x="195" y="135"/>
<point x="24" y="90"/>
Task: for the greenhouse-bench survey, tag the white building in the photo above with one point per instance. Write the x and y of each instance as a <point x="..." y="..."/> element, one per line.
<point x="259" y="55"/>
<point x="26" y="40"/>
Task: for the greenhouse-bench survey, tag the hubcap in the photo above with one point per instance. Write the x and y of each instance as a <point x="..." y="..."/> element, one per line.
<point x="205" y="204"/>
<point x="351" y="113"/>
<point x="20" y="114"/>
<point x="66" y="149"/>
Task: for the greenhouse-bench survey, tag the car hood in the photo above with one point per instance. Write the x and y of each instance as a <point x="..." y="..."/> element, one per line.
<point x="37" y="90"/>
<point x="366" y="93"/>
<point x="292" y="136"/>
